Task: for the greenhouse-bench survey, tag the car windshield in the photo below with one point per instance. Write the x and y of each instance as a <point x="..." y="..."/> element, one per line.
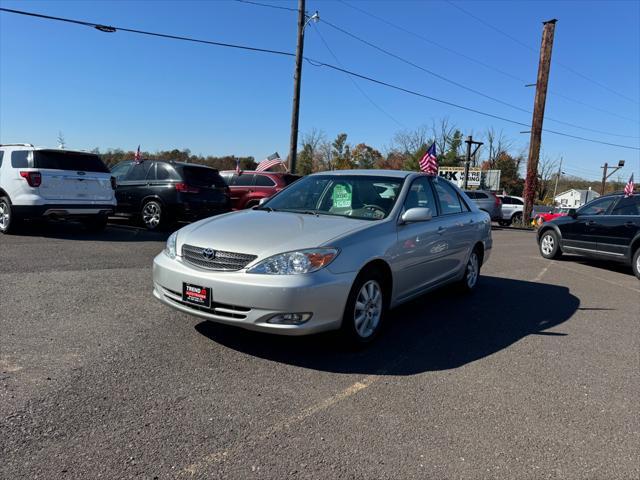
<point x="354" y="196"/>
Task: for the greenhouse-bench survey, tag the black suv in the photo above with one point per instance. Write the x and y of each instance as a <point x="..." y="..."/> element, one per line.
<point x="607" y="228"/>
<point x="160" y="192"/>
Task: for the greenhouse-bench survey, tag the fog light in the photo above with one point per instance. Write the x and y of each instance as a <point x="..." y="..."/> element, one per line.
<point x="290" y="318"/>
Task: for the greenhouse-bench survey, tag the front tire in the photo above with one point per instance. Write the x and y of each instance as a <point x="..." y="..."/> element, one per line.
<point x="635" y="263"/>
<point x="550" y="245"/>
<point x="365" y="310"/>
<point x="8" y="220"/>
<point x="471" y="272"/>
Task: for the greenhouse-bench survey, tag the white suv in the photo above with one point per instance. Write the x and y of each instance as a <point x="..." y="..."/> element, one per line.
<point x="43" y="182"/>
<point x="512" y="208"/>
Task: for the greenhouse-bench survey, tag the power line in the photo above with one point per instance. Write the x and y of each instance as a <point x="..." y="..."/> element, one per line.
<point x="355" y="84"/>
<point x="529" y="47"/>
<point x="112" y="29"/>
<point x="269" y="5"/>
<point x="465" y="87"/>
<point x="479" y="62"/>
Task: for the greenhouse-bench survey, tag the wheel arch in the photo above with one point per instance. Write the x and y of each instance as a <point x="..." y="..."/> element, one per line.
<point x="634" y="245"/>
<point x="383" y="267"/>
<point x="3" y="193"/>
<point x="149" y="198"/>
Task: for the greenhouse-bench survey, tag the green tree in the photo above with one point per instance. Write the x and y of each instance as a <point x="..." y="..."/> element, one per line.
<point x="454" y="143"/>
<point x="364" y="156"/>
<point x="341" y="153"/>
<point x="305" y="161"/>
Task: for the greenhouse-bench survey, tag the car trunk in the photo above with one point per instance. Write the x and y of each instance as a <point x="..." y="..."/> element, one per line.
<point x="72" y="176"/>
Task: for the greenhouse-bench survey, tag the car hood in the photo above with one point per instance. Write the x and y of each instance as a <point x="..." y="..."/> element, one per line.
<point x="263" y="233"/>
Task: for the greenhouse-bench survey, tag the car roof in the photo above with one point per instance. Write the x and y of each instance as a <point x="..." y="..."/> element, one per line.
<point x="370" y="173"/>
<point x="260" y="173"/>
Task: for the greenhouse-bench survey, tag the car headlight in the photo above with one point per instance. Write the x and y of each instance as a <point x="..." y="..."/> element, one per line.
<point x="170" y="248"/>
<point x="294" y="263"/>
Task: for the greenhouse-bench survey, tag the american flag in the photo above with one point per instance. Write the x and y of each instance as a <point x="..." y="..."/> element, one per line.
<point x="238" y="166"/>
<point x="137" y="158"/>
<point x="628" y="188"/>
<point x="269" y="162"/>
<point x="429" y="162"/>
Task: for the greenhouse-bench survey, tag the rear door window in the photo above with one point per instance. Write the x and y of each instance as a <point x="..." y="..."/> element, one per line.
<point x="20" y="159"/>
<point x="264" y="181"/>
<point x="76" y="161"/>
<point x="165" y="172"/>
<point x="516" y="201"/>
<point x="244" y="180"/>
<point x="139" y="171"/>
<point x="202" y="177"/>
<point x="627" y="206"/>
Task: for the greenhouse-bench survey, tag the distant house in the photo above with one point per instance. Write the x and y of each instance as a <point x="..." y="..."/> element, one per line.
<point x="575" y="198"/>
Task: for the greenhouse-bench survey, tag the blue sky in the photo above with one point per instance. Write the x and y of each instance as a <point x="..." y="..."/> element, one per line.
<point x="120" y="89"/>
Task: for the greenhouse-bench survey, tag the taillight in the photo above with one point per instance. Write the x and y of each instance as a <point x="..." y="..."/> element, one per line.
<point x="113" y="183"/>
<point x="34" y="179"/>
<point x="498" y="201"/>
<point x="184" y="188"/>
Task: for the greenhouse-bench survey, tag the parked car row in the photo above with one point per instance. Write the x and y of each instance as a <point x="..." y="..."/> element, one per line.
<point x="606" y="228"/>
<point x="54" y="183"/>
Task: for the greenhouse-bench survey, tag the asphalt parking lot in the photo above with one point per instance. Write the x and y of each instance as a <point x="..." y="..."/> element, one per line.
<point x="535" y="375"/>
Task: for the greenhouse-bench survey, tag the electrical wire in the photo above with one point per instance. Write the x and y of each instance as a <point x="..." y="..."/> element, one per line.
<point x="481" y="63"/>
<point x="355" y="84"/>
<point x="529" y="47"/>
<point x="465" y="87"/>
<point x="316" y="63"/>
<point x="278" y="7"/>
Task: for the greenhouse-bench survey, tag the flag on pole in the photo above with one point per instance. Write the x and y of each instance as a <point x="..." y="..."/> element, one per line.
<point x="137" y="158"/>
<point x="238" y="171"/>
<point x="429" y="162"/>
<point x="270" y="161"/>
<point x="628" y="188"/>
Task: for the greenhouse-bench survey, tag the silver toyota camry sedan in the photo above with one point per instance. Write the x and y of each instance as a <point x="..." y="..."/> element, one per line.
<point x="334" y="250"/>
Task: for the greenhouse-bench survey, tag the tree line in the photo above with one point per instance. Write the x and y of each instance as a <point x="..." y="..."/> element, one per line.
<point x="317" y="153"/>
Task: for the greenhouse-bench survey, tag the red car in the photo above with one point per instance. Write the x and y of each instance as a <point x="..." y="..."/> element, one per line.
<point x="541" y="218"/>
<point x="249" y="187"/>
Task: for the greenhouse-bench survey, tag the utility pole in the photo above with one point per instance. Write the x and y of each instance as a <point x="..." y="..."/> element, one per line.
<point x="544" y="66"/>
<point x="605" y="168"/>
<point x="297" y="74"/>
<point x="469" y="141"/>
<point x="555" y="189"/>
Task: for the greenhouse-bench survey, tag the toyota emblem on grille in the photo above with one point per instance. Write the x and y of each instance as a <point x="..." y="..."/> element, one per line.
<point x="209" y="253"/>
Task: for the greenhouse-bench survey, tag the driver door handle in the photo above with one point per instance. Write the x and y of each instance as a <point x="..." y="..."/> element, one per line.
<point x="591" y="222"/>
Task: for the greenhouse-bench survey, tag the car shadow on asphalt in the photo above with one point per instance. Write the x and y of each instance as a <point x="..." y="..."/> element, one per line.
<point x="117" y="231"/>
<point x="617" y="267"/>
<point x="441" y="330"/>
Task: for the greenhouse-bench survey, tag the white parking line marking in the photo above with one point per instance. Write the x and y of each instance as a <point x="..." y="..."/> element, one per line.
<point x="222" y="455"/>
<point x="542" y="272"/>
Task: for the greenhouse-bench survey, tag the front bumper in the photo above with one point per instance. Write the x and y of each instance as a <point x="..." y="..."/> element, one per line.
<point x="250" y="300"/>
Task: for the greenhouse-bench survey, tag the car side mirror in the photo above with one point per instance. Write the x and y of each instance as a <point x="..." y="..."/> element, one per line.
<point x="418" y="214"/>
<point x="573" y="212"/>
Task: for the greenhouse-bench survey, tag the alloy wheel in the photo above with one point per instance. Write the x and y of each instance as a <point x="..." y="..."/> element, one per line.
<point x="472" y="270"/>
<point x="4" y="216"/>
<point x="151" y="214"/>
<point x="547" y="245"/>
<point x="368" y="309"/>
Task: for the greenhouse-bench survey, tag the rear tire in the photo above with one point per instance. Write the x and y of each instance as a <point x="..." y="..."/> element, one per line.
<point x="152" y="215"/>
<point x="550" y="245"/>
<point x="635" y="263"/>
<point x="365" y="310"/>
<point x="517" y="218"/>
<point x="8" y="220"/>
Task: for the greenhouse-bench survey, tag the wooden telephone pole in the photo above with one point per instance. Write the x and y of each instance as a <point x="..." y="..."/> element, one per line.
<point x="297" y="74"/>
<point x="544" y="67"/>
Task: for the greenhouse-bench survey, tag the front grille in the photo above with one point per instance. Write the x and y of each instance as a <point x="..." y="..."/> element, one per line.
<point x="222" y="261"/>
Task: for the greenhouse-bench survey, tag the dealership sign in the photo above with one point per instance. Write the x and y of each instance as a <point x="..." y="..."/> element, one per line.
<point x="489" y="179"/>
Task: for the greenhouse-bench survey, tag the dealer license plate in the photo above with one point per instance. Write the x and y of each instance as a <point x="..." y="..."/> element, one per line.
<point x="196" y="295"/>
